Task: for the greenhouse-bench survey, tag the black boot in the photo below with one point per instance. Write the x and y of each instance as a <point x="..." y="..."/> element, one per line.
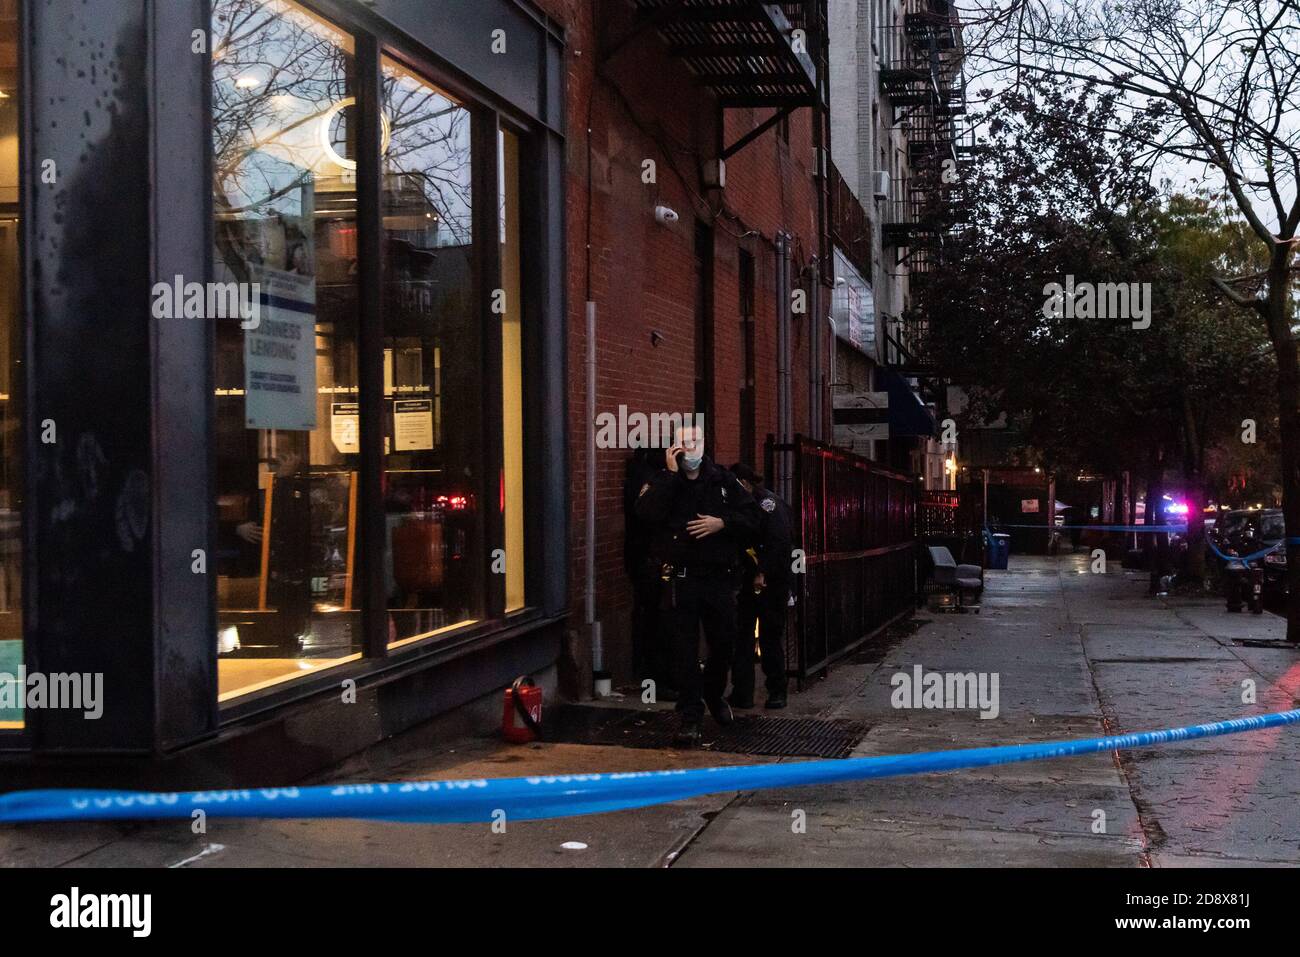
<point x="688" y="735"/>
<point x="721" y="711"/>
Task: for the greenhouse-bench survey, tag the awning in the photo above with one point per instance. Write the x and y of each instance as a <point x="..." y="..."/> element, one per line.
<point x="907" y="413"/>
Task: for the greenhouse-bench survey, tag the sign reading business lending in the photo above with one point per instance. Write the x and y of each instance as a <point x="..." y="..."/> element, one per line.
<point x="280" y="355"/>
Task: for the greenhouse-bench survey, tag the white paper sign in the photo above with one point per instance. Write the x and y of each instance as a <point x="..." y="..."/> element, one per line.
<point x="345" y="419"/>
<point x="280" y="355"/>
<point x="412" y="424"/>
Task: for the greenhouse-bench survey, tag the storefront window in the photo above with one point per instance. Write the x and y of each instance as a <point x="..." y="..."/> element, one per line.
<point x="512" y="367"/>
<point x="433" y="386"/>
<point x="286" y="368"/>
<point x="11" y="325"/>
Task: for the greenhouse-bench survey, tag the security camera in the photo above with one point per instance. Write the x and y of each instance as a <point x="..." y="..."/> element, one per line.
<point x="665" y="215"/>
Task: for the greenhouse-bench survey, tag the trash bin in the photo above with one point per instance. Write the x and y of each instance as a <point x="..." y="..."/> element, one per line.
<point x="999" y="550"/>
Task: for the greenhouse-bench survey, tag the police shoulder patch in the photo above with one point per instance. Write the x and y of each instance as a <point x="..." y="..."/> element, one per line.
<point x="644" y="488"/>
<point x="768" y="504"/>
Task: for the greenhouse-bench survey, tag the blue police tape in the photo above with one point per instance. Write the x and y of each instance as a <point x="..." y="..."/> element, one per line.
<point x="562" y="795"/>
<point x="1253" y="556"/>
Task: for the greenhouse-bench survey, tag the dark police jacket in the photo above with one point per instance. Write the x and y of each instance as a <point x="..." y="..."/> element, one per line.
<point x="668" y="500"/>
<point x="637" y="534"/>
<point x="775" y="539"/>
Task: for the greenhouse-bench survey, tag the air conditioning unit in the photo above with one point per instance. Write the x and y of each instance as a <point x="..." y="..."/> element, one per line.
<point x="880" y="183"/>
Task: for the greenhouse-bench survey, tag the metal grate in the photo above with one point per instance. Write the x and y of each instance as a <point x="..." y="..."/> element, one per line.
<point x="750" y="734"/>
<point x="741" y="49"/>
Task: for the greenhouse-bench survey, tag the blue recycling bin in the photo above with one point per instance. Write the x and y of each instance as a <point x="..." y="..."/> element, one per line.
<point x="999" y="551"/>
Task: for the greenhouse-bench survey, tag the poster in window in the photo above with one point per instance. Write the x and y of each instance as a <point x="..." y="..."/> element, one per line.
<point x="345" y="419"/>
<point x="1028" y="505"/>
<point x="280" y="354"/>
<point x="412" y="425"/>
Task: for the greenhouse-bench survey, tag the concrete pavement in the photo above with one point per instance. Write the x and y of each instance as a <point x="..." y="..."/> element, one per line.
<point x="1076" y="654"/>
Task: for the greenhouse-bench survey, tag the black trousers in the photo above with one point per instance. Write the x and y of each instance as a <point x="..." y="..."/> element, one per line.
<point x="768" y="609"/>
<point x="651" y="641"/>
<point x="705" y="599"/>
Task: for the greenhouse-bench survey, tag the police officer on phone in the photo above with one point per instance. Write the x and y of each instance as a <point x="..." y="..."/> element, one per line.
<point x="764" y="597"/>
<point x="702" y="518"/>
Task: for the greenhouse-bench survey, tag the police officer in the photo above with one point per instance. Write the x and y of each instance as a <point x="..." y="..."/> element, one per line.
<point x="764" y="597"/>
<point x="702" y="519"/>
<point x="651" y="644"/>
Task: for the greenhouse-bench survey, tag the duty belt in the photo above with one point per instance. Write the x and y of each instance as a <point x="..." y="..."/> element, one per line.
<point x="697" y="570"/>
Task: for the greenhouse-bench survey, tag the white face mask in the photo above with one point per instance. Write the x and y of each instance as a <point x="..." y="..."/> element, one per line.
<point x="692" y="462"/>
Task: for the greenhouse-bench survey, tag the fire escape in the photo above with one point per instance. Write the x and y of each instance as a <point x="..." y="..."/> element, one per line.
<point x="921" y="81"/>
<point x="752" y="56"/>
<point x="749" y="55"/>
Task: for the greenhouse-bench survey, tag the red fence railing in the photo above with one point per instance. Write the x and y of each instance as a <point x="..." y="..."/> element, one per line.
<point x="856" y="525"/>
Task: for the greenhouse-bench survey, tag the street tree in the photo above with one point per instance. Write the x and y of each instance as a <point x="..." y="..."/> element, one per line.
<point x="1228" y="74"/>
<point x="1058" y="194"/>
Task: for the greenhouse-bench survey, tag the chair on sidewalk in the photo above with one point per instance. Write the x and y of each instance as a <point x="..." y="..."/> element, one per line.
<point x="959" y="579"/>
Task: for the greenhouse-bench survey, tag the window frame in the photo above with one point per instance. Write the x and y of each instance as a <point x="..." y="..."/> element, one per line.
<point x="374" y="42"/>
<point x="21" y="738"/>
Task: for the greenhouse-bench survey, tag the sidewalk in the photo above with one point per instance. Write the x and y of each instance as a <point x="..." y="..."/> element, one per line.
<point x="1076" y="654"/>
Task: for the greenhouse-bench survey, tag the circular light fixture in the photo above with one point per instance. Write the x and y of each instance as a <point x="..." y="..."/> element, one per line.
<point x="327" y="121"/>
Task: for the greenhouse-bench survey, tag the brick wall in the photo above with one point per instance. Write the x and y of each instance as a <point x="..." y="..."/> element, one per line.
<point x="643" y="277"/>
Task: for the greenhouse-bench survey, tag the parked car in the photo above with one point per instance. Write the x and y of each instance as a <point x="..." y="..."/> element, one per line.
<point x="1262" y="529"/>
<point x="1272" y="531"/>
<point x="1227" y="525"/>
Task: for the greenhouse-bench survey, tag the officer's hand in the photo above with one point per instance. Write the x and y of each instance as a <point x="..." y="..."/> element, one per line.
<point x="250" y="532"/>
<point x="759" y="582"/>
<point x="671" y="456"/>
<point x="704" y="525"/>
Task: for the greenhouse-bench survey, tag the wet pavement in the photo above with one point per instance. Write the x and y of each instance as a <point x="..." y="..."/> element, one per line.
<point x="1076" y="654"/>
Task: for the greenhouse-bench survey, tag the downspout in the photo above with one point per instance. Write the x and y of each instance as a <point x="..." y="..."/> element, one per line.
<point x="782" y="362"/>
<point x="822" y="144"/>
<point x="600" y="678"/>
<point x="815" y="352"/>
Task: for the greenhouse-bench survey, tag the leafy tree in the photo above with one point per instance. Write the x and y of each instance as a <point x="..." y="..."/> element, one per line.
<point x="1227" y="75"/>
<point x="1060" y="194"/>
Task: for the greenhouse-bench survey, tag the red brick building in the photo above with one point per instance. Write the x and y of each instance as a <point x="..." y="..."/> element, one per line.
<point x="692" y="304"/>
<point x="278" y="567"/>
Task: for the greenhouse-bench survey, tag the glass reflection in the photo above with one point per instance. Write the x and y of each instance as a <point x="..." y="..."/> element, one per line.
<point x="11" y="324"/>
<point x="283" y="101"/>
<point x="433" y="565"/>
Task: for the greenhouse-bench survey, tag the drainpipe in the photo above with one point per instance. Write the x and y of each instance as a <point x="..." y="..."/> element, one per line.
<point x="598" y="674"/>
<point x="815" y="352"/>
<point x="782" y="362"/>
<point x="600" y="677"/>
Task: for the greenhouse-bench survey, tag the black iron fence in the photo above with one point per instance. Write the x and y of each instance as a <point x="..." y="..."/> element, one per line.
<point x="953" y="520"/>
<point x="856" y="525"/>
<point x="937" y="515"/>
